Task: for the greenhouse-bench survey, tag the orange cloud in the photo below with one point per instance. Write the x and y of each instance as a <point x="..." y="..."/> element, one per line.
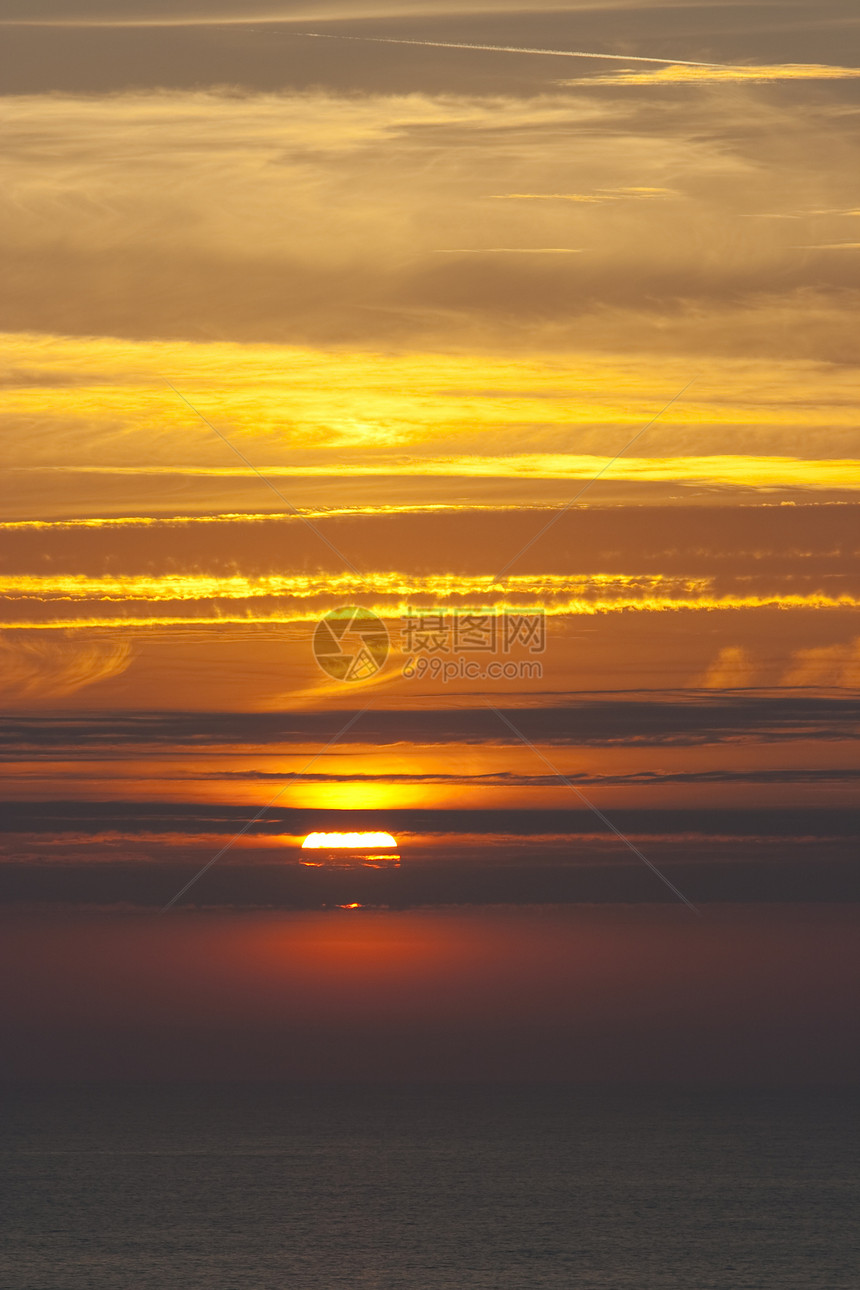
<point x="829" y="665"/>
<point x="733" y="668"/>
<point x="46" y="668"/>
<point x="693" y="74"/>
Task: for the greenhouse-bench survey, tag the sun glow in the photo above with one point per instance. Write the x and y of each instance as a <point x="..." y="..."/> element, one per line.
<point x="354" y="841"/>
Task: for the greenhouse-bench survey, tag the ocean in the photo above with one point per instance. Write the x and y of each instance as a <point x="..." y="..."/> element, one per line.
<point x="291" y="1187"/>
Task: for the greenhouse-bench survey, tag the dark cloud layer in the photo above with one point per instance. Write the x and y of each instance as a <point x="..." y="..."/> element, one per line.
<point x="721" y="717"/>
<point x="194" y="818"/>
<point x="509" y="779"/>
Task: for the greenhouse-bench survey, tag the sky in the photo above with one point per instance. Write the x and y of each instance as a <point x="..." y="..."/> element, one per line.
<point x="531" y="332"/>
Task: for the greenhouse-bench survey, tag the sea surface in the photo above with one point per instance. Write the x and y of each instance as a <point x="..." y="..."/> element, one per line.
<point x="285" y="1187"/>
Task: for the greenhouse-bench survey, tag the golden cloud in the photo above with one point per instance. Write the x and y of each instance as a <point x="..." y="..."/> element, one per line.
<point x="828" y="665"/>
<point x="50" y="668"/>
<point x="734" y="668"/>
<point x="300" y="598"/>
<point x="687" y="74"/>
<point x="116" y="220"/>
<point x="103" y="405"/>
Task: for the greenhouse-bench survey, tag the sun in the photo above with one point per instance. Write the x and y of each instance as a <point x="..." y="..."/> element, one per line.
<point x="349" y="850"/>
<point x="352" y="841"/>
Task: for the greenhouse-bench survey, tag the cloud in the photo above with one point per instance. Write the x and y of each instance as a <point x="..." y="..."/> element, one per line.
<point x="337" y="205"/>
<point x="510" y="779"/>
<point x="220" y="575"/>
<point x="733" y="668"/>
<point x="83" y="601"/>
<point x="196" y="818"/>
<point x="640" y="192"/>
<point x="102" y="406"/>
<point x="703" y="74"/>
<point x="816" y="539"/>
<point x="634" y="193"/>
<point x="549" y="197"/>
<point x="830" y="665"/>
<point x="510" y="250"/>
<point x="691" y="720"/>
<point x="728" y="469"/>
<point x="218" y="13"/>
<point x="42" y="668"/>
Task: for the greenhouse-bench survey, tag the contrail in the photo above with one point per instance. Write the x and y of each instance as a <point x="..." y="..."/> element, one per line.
<point x="510" y="49"/>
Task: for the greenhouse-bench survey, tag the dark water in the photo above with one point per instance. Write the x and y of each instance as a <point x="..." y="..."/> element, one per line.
<point x="286" y="1188"/>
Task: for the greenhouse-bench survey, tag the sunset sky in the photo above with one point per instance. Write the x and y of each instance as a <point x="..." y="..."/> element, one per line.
<point x="438" y="309"/>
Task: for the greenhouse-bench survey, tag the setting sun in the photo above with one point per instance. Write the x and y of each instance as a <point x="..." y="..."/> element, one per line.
<point x="350" y="850"/>
<point x="353" y="841"/>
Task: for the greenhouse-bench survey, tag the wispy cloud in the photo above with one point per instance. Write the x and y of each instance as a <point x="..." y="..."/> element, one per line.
<point x="600" y="197"/>
<point x="733" y="668"/>
<point x="804" y="214"/>
<point x="100" y="406"/>
<point x="419" y="170"/>
<point x="250" y="517"/>
<point x="512" y="779"/>
<point x="639" y="192"/>
<point x="828" y="665"/>
<point x="42" y="667"/>
<point x="509" y="250"/>
<point x="85" y="602"/>
<point x="258" y="15"/>
<point x="713" y="74"/>
<point x="727" y="469"/>
<point x="549" y="197"/>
